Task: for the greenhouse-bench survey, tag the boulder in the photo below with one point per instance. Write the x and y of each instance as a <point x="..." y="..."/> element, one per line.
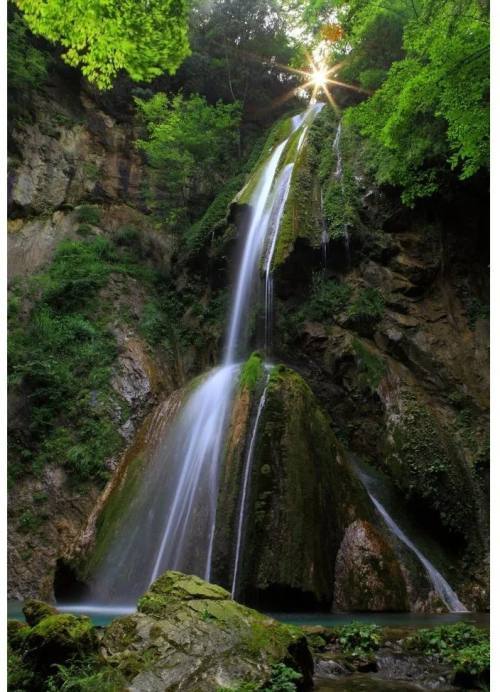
<point x="367" y="573"/>
<point x="190" y="635"/>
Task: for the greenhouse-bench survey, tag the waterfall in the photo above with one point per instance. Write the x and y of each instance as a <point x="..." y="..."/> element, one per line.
<point x="282" y="189"/>
<point x="171" y="517"/>
<point x="439" y="583"/>
<point x="338" y="153"/>
<point x="245" y="487"/>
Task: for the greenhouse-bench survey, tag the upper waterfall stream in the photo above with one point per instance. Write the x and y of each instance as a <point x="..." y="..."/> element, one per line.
<point x="170" y="521"/>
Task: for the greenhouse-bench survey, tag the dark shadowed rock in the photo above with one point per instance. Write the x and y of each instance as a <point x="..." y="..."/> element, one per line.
<point x="367" y="573"/>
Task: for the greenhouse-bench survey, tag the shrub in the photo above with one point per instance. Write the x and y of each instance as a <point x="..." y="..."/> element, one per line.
<point x="88" y="214"/>
<point x="282" y="679"/>
<point x="328" y="299"/>
<point x="464" y="646"/>
<point x="367" y="306"/>
<point x="358" y="639"/>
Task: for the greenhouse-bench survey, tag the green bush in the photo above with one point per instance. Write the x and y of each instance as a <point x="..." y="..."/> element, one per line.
<point x="328" y="299"/>
<point x="358" y="639"/>
<point x="465" y="646"/>
<point x="88" y="214"/>
<point x="19" y="676"/>
<point x="282" y="679"/>
<point x="367" y="306"/>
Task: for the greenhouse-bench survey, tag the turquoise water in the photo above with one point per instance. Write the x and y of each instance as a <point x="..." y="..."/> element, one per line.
<point x="383" y="619"/>
<point x="103" y="616"/>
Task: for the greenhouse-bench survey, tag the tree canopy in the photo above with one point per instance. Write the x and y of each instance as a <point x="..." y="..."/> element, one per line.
<point x="143" y="37"/>
<point x="429" y="63"/>
<point x="187" y="140"/>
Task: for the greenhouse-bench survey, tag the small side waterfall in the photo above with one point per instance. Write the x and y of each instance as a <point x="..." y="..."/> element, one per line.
<point x="245" y="488"/>
<point x="439" y="583"/>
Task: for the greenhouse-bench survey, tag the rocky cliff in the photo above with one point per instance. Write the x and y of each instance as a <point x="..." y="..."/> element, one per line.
<point x="380" y="311"/>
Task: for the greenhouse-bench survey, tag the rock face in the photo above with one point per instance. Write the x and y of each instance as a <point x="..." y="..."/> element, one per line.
<point x="368" y="576"/>
<point x="302" y="496"/>
<point x="194" y="637"/>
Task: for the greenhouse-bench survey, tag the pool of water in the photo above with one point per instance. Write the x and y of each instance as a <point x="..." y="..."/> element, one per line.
<point x="102" y="615"/>
<point x="384" y="619"/>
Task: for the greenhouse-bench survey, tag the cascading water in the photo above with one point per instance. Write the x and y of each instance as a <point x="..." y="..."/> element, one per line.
<point x="439" y="583"/>
<point x="170" y="521"/>
<point x="373" y="485"/>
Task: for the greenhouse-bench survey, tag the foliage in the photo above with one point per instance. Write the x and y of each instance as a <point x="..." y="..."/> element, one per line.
<point x="19" y="676"/>
<point x="86" y="676"/>
<point x="466" y="647"/>
<point x="372" y="367"/>
<point x="282" y="679"/>
<point x="238" y="53"/>
<point x="60" y="356"/>
<point x="144" y="38"/>
<point x="368" y="305"/>
<point x="328" y="299"/>
<point x="26" y="65"/>
<point x="187" y="140"/>
<point x="251" y="371"/>
<point x="358" y="639"/>
<point x="429" y="63"/>
<point x="88" y="214"/>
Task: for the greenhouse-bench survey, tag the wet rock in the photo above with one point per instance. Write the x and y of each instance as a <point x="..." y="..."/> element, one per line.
<point x="302" y="496"/>
<point x="58" y="638"/>
<point x="190" y="635"/>
<point x="367" y="573"/>
<point x="422" y="670"/>
<point x="34" y="611"/>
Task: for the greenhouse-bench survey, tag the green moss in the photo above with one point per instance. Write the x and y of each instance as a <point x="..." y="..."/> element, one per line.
<point x="251" y="371"/>
<point x="112" y="514"/>
<point x="35" y="611"/>
<point x="372" y="366"/>
<point x="302" y="214"/>
<point x="297" y="473"/>
<point x="428" y="468"/>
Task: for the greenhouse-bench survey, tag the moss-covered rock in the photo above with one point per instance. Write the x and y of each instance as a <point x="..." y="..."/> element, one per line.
<point x="302" y="497"/>
<point x="431" y="471"/>
<point x="57" y="639"/>
<point x="34" y="611"/>
<point x="190" y="635"/>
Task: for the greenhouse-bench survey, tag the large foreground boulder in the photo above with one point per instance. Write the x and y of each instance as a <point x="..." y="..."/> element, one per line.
<point x="190" y="635"/>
